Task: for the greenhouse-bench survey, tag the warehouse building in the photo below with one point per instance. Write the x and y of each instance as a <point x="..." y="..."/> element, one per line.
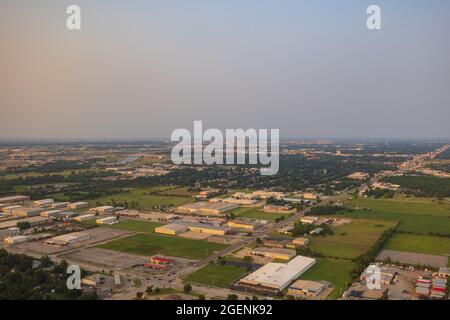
<point x="278" y="209"/>
<point x="307" y="288"/>
<point x="16" y="239"/>
<point x="60" y="205"/>
<point x="19" y="199"/>
<point x="275" y="277"/>
<point x="44" y="202"/>
<point x="207" y="208"/>
<point x="106" y="220"/>
<point x="274" y="253"/>
<point x="103" y="209"/>
<point x="10" y="209"/>
<point x="171" y="229"/>
<point x="67" y="239"/>
<point x="236" y="224"/>
<point x="300" y="242"/>
<point x="268" y="194"/>
<point x="27" y="212"/>
<point x="77" y="205"/>
<point x="84" y="217"/>
<point x="51" y="213"/>
<point x="242" y="202"/>
<point x="67" y="215"/>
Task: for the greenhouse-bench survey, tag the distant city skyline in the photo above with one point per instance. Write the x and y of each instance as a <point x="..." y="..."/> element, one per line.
<point x="141" y="69"/>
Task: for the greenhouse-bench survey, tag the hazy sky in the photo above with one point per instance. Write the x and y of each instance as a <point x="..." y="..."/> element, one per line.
<point x="141" y="69"/>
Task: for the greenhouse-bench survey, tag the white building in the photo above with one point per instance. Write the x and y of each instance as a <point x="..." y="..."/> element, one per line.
<point x="106" y="220"/>
<point x="15" y="239"/>
<point x="67" y="239"/>
<point x="277" y="276"/>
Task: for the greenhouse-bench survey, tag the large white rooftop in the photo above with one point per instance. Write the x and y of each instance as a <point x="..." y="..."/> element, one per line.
<point x="279" y="275"/>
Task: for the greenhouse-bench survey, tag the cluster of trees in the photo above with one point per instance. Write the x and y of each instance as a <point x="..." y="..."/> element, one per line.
<point x="421" y="185"/>
<point x="19" y="280"/>
<point x="325" y="210"/>
<point x="362" y="261"/>
<point x="380" y="193"/>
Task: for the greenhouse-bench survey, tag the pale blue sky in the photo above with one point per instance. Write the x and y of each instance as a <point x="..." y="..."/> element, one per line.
<point x="141" y="69"/>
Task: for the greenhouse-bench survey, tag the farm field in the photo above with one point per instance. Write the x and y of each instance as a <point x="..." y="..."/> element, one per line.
<point x="150" y="244"/>
<point x="420" y="216"/>
<point x="351" y="240"/>
<point x="142" y="198"/>
<point x="419" y="243"/>
<point x="335" y="271"/>
<point x="257" y="213"/>
<point x="217" y="275"/>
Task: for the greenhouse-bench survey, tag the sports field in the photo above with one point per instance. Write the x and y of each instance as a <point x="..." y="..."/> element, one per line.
<point x="217" y="275"/>
<point x="419" y="243"/>
<point x="352" y="239"/>
<point x="335" y="271"/>
<point x="147" y="244"/>
<point x="422" y="216"/>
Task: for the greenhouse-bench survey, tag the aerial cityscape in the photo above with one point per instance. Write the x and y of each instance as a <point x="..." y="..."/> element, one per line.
<point x="225" y="151"/>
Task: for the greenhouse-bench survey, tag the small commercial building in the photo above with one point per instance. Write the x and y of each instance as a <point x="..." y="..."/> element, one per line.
<point x="16" y="239"/>
<point x="171" y="229"/>
<point x="43" y="203"/>
<point x="67" y="239"/>
<point x="306" y="288"/>
<point x="77" y="205"/>
<point x="27" y="212"/>
<point x="106" y="220"/>
<point x="275" y="277"/>
<point x="274" y="253"/>
<point x="300" y="242"/>
<point x="84" y="217"/>
<point x="103" y="209"/>
<point x="309" y="219"/>
<point x="51" y="213"/>
<point x="207" y="193"/>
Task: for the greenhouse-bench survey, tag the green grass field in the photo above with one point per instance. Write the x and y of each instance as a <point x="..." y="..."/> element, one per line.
<point x="350" y="240"/>
<point x="336" y="271"/>
<point x="419" y="243"/>
<point x="147" y="244"/>
<point x="145" y="200"/>
<point x="420" y="216"/>
<point x="217" y="275"/>
<point x="135" y="225"/>
<point x="257" y="213"/>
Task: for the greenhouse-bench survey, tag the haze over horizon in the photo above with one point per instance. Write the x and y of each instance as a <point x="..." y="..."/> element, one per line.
<point x="141" y="69"/>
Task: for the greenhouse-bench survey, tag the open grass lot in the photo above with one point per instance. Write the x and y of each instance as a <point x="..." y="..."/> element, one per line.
<point x="422" y="216"/>
<point x="257" y="213"/>
<point x="351" y="240"/>
<point x="179" y="191"/>
<point x="335" y="271"/>
<point x="150" y="244"/>
<point x="217" y="275"/>
<point x="136" y="225"/>
<point x="145" y="200"/>
<point x="419" y="243"/>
